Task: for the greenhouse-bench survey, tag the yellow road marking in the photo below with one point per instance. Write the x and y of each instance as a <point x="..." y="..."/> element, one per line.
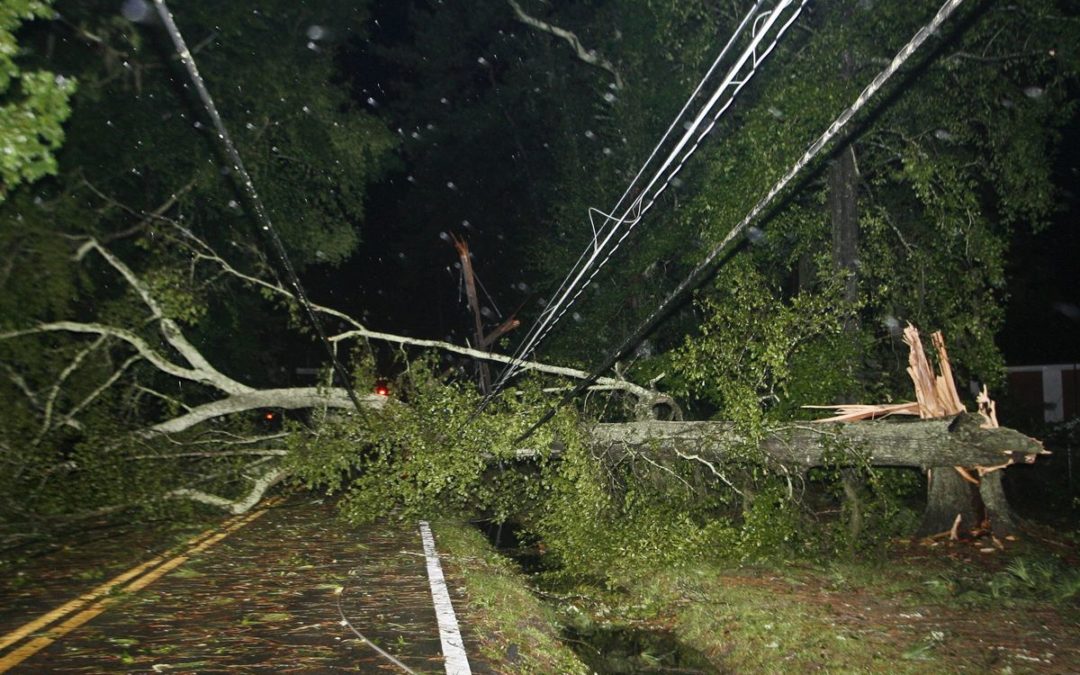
<point x="158" y="567"/>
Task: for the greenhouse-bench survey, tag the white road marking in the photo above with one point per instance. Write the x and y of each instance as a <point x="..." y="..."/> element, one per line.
<point x="453" y="648"/>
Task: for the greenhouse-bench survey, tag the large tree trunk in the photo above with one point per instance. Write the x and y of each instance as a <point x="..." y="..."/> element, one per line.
<point x="843" y="180"/>
<point x="958" y="441"/>
<point x="998" y="511"/>
<point x="948" y="495"/>
<point x="935" y="446"/>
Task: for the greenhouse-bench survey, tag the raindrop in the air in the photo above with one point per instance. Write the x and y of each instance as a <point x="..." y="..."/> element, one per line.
<point x="444" y="236"/>
<point x="755" y="235"/>
<point x="136" y="11"/>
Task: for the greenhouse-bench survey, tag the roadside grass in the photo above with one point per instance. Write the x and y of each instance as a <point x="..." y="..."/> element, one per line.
<point x="516" y="631"/>
<point x="747" y="626"/>
<point x="929" y="614"/>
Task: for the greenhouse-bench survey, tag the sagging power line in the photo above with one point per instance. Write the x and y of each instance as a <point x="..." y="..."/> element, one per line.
<point x="767" y="27"/>
<point x="711" y="262"/>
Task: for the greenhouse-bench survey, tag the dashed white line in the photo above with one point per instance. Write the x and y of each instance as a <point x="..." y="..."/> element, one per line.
<point x="457" y="663"/>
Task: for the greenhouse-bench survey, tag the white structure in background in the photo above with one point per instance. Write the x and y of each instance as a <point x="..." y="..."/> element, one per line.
<point x="1052" y="387"/>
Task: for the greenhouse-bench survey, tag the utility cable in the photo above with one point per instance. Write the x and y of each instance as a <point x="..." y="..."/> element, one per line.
<point x="675" y="160"/>
<point x="382" y="652"/>
<point x="247" y="186"/>
<point x="707" y="266"/>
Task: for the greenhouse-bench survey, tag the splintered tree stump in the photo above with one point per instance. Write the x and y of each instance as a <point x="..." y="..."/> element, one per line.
<point x="947" y="496"/>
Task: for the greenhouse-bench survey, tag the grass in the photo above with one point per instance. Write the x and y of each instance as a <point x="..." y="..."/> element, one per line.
<point x="745" y="626"/>
<point x="515" y="630"/>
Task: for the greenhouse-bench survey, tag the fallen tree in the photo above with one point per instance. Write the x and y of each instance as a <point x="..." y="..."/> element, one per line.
<point x="922" y="444"/>
<point x="183" y="426"/>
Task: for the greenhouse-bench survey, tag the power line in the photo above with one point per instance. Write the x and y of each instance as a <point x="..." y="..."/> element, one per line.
<point x="248" y="188"/>
<point x="707" y="266"/>
<point x="604" y="243"/>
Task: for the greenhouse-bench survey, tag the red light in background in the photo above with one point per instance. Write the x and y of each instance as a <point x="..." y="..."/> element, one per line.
<point x="269" y="416"/>
<point x="382" y="390"/>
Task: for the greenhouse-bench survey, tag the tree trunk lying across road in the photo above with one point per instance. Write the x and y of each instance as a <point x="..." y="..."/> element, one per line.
<point x="956" y="441"/>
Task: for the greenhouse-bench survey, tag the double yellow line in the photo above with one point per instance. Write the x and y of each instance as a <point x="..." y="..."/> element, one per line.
<point x="97" y="600"/>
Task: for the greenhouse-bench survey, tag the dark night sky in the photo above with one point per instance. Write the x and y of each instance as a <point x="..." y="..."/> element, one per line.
<point x="1043" y="313"/>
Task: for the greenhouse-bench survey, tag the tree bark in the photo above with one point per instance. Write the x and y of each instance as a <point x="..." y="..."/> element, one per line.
<point x="998" y="511"/>
<point x="844" y="215"/>
<point x="959" y="441"/>
<point x="948" y="495"/>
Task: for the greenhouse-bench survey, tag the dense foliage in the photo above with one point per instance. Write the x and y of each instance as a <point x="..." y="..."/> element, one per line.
<point x="33" y="104"/>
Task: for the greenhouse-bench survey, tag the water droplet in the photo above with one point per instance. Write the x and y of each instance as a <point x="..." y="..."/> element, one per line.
<point x="943" y="135"/>
<point x="450" y="184"/>
<point x="316" y="32"/>
<point x="576" y="317"/>
<point x="609" y="97"/>
<point x="755" y="235"/>
<point x="372" y="102"/>
<point x="136" y="11"/>
<point x="590" y="135"/>
<point x="482" y="61"/>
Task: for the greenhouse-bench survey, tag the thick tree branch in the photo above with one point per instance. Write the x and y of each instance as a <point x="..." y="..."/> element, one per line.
<point x="289" y="399"/>
<point x="210" y="378"/>
<point x="589" y="56"/>
<point x="236" y="506"/>
<point x="169" y="328"/>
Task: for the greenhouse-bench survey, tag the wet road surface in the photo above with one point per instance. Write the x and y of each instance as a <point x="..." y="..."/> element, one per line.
<point x="267" y="597"/>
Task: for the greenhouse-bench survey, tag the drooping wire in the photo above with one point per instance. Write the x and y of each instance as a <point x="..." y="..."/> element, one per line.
<point x="605" y="244"/>
<point x="382" y="652"/>
<point x="706" y="267"/>
<point x="247" y="186"/>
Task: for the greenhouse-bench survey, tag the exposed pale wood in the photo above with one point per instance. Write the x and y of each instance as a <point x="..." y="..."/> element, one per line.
<point x="854" y="412"/>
